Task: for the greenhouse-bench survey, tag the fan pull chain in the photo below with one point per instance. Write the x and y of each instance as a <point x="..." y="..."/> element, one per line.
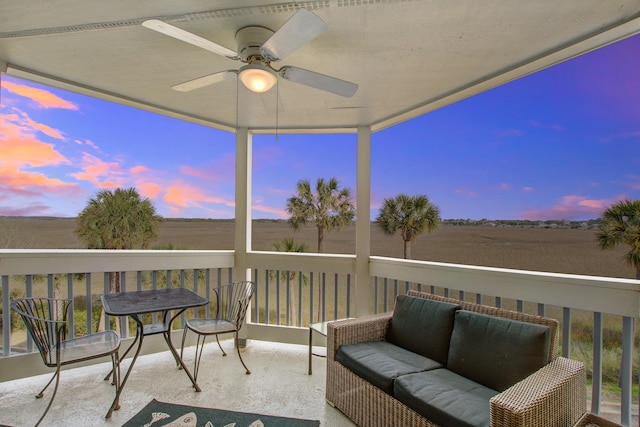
<point x="277" y="96"/>
<point x="237" y="103"/>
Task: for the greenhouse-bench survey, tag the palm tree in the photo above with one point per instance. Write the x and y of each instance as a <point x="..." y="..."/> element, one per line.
<point x="620" y="223"/>
<point x="117" y="220"/>
<point x="412" y="215"/>
<point x="288" y="244"/>
<point x="328" y="206"/>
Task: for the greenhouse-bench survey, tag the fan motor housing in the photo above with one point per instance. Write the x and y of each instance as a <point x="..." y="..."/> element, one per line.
<point x="250" y="39"/>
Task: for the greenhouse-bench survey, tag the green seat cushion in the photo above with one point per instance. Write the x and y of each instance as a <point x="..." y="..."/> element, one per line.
<point x="380" y="362"/>
<point x="423" y="326"/>
<point x="495" y="351"/>
<point x="445" y="398"/>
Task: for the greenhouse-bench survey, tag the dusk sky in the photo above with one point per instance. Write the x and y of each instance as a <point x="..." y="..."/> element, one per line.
<point x="563" y="143"/>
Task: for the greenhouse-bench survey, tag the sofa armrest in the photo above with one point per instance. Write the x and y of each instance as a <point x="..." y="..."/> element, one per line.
<point x="555" y="395"/>
<point x="362" y="329"/>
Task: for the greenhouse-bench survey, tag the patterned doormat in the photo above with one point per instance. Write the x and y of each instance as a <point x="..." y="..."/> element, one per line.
<point x="160" y="414"/>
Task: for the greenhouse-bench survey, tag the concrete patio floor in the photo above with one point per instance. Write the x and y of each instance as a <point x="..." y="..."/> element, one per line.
<point x="279" y="385"/>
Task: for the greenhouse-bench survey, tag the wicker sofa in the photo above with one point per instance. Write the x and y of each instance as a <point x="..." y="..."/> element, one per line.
<point x="473" y="379"/>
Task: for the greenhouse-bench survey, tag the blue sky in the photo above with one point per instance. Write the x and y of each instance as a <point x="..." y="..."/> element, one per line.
<point x="563" y="143"/>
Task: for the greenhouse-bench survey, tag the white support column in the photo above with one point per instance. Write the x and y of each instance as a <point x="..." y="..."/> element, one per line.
<point x="242" y="238"/>
<point x="242" y="232"/>
<point x="363" y="222"/>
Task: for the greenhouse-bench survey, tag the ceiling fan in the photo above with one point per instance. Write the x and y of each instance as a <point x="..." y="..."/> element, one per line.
<point x="259" y="48"/>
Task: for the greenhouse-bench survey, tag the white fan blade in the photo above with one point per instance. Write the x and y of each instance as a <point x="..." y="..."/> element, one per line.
<point x="187" y="37"/>
<point x="300" y="29"/>
<point x="319" y="81"/>
<point x="204" y="81"/>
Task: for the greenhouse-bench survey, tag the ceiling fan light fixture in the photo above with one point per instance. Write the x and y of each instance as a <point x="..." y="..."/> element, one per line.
<point x="257" y="77"/>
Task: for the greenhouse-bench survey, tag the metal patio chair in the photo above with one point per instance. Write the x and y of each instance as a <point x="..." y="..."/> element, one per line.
<point x="46" y="322"/>
<point x="232" y="302"/>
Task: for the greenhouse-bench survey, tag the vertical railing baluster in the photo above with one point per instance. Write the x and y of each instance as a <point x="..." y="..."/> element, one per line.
<point x="323" y="296"/>
<point x="124" y="320"/>
<point x="154" y="286"/>
<point x="278" y="297"/>
<point x="88" y="297"/>
<point x="182" y="286"/>
<point x="311" y="297"/>
<point x="29" y="285"/>
<point x="288" y="298"/>
<point x="376" y="296"/>
<point x="385" y="286"/>
<point x="395" y="290"/>
<point x="348" y="314"/>
<point x="207" y="280"/>
<point x="626" y="382"/>
<point x="106" y="289"/>
<point x="300" y="283"/>
<point x="196" y="279"/>
<point x="335" y="296"/>
<point x="266" y="296"/>
<point x="256" y="299"/>
<point x="596" y="377"/>
<point x="168" y="283"/>
<point x="6" y="317"/>
<point x="50" y="289"/>
<point x="566" y="332"/>
<point x="72" y="308"/>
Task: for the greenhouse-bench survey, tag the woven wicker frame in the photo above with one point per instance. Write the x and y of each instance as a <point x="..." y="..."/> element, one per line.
<point x="553" y="396"/>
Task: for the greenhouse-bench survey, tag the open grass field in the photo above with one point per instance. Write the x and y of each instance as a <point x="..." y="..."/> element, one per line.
<point x="557" y="250"/>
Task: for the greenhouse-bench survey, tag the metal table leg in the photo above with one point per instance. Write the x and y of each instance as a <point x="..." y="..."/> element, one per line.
<point x="139" y="336"/>
<point x="167" y="338"/>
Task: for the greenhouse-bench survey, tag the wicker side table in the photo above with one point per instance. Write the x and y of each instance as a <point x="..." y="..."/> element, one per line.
<point x="590" y="420"/>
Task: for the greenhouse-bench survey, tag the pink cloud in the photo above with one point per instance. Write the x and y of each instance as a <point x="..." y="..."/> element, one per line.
<point x="634" y="184"/>
<point x="572" y="207"/>
<point x="465" y="192"/>
<point x="139" y="169"/>
<point x="183" y="195"/>
<point x="41" y="127"/>
<point x="504" y="186"/>
<point x="42" y="98"/>
<point x="222" y="169"/>
<point x="86" y="142"/>
<point x="281" y="213"/>
<point x="21" y="147"/>
<point x="622" y="136"/>
<point x="149" y="190"/>
<point x="93" y="168"/>
<point x="527" y="189"/>
<point x="31" y="210"/>
<point x="17" y="182"/>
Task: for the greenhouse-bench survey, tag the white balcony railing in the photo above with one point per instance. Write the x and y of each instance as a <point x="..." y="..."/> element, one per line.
<point x="296" y="289"/>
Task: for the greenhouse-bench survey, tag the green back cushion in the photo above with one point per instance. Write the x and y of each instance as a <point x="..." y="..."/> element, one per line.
<point x="494" y="351"/>
<point x="423" y="326"/>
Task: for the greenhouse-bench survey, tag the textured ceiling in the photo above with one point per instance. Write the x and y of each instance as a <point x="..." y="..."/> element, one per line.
<point x="408" y="57"/>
